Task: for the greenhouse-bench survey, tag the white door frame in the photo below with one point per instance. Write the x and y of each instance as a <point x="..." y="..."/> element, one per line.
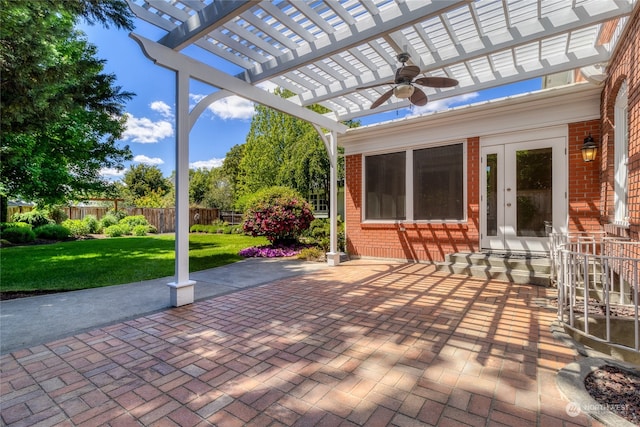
<point x="505" y="146"/>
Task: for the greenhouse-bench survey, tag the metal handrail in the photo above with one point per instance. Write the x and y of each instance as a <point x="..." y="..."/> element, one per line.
<point x="594" y="272"/>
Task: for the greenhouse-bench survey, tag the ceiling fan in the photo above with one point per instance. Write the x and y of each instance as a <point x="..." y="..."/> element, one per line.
<point x="405" y="85"/>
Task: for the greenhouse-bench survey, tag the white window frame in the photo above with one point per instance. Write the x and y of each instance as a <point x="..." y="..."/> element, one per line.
<point x="409" y="186"/>
<point x="621" y="158"/>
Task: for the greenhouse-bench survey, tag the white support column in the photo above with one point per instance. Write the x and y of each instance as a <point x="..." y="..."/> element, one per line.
<point x="182" y="290"/>
<point x="333" y="256"/>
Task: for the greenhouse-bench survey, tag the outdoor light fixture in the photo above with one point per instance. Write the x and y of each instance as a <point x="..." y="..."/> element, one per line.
<point x="404" y="90"/>
<point x="589" y="149"/>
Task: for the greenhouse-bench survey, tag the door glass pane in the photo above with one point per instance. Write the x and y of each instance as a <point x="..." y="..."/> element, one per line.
<point x="534" y="195"/>
<point x="492" y="194"/>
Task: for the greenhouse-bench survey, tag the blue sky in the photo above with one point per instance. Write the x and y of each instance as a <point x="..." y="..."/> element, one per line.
<point x="151" y="122"/>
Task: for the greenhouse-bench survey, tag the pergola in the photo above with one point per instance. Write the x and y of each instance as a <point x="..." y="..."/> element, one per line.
<point x="325" y="51"/>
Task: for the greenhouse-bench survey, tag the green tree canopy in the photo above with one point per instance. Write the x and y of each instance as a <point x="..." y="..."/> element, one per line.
<point x="142" y="180"/>
<point x="282" y="150"/>
<point x="61" y="115"/>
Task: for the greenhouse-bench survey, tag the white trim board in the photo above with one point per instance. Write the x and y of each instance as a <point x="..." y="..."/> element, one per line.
<point x="537" y="110"/>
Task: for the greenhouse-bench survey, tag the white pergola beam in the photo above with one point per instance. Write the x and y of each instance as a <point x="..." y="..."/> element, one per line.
<point x="203" y="21"/>
<point x="170" y="59"/>
<point x="359" y="33"/>
<point x="569" y="62"/>
<point x="526" y="34"/>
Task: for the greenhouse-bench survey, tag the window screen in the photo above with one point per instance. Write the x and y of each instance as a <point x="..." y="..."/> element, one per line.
<point x="385" y="186"/>
<point x="438" y="183"/>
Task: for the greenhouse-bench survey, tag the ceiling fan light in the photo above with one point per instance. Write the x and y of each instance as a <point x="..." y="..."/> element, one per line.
<point x="403" y="90"/>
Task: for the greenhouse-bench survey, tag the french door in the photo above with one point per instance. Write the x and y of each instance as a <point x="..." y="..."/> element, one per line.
<point x="523" y="195"/>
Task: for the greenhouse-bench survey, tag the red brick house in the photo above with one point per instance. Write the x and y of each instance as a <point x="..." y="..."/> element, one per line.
<point x="500" y="175"/>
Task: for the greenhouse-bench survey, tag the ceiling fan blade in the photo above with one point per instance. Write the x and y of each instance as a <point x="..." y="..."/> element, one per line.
<point x="418" y="98"/>
<point x="371" y="86"/>
<point x="436" y="81"/>
<point x="406" y="72"/>
<point x="382" y="99"/>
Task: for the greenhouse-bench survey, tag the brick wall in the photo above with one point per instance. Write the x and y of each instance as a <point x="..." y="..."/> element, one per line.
<point x="409" y="241"/>
<point x="584" y="180"/>
<point x="623" y="66"/>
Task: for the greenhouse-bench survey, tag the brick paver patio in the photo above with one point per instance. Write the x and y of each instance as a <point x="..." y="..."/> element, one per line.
<point x="366" y="343"/>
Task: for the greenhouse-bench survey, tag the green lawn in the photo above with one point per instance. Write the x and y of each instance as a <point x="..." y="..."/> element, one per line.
<point x="103" y="262"/>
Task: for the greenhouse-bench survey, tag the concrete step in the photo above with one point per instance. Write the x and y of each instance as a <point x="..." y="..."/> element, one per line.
<point x="514" y="262"/>
<point x="517" y="269"/>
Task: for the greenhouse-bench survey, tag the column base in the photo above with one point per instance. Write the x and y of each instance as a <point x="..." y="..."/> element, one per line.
<point x="181" y="293"/>
<point x="333" y="258"/>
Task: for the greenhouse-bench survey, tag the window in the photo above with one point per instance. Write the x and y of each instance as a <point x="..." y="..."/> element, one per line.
<point x="385" y="186"/>
<point x="621" y="157"/>
<point x="438" y="183"/>
<point x="426" y="184"/>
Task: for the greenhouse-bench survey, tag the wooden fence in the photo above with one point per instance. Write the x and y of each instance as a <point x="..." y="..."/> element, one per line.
<point x="164" y="219"/>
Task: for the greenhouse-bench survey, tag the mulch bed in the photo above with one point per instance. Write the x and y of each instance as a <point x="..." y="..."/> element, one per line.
<point x="23" y="294"/>
<point x="616" y="389"/>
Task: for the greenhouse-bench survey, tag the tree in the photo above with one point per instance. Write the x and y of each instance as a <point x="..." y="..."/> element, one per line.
<point x="61" y="115"/>
<point x="210" y="188"/>
<point x="145" y="186"/>
<point x="231" y="165"/>
<point x="283" y="150"/>
<point x="199" y="181"/>
<point x="220" y="192"/>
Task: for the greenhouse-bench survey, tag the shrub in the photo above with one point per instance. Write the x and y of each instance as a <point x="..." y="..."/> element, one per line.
<point x="197" y="228"/>
<point x="115" y="231"/>
<point x="319" y="233"/>
<point x="52" y="232"/>
<point x="57" y="214"/>
<point x="311" y="254"/>
<point x="134" y="220"/>
<point x="76" y="227"/>
<point x="139" y="230"/>
<point x="93" y="223"/>
<point x="118" y="214"/>
<point x="18" y="234"/>
<point x="108" y="220"/>
<point x="278" y="213"/>
<point x="36" y="218"/>
<point x="6" y="225"/>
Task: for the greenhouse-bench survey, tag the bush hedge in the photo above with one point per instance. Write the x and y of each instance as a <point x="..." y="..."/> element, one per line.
<point x="18" y="234"/>
<point x="35" y="218"/>
<point x="278" y="213"/>
<point x="93" y="223"/>
<point x="52" y="232"/>
<point x="76" y="227"/>
<point x="115" y="230"/>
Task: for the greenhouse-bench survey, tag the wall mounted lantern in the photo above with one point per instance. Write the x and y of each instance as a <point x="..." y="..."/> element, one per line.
<point x="589" y="149"/>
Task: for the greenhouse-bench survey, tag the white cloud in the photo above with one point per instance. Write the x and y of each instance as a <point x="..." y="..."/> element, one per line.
<point x="232" y="107"/>
<point x="111" y="173"/>
<point x="443" y="104"/>
<point x="148" y="160"/>
<point x="206" y="164"/>
<point x="268" y="86"/>
<point x="146" y="131"/>
<point x="162" y="108"/>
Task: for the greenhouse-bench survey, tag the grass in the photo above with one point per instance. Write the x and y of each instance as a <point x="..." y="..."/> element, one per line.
<point x="95" y="263"/>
